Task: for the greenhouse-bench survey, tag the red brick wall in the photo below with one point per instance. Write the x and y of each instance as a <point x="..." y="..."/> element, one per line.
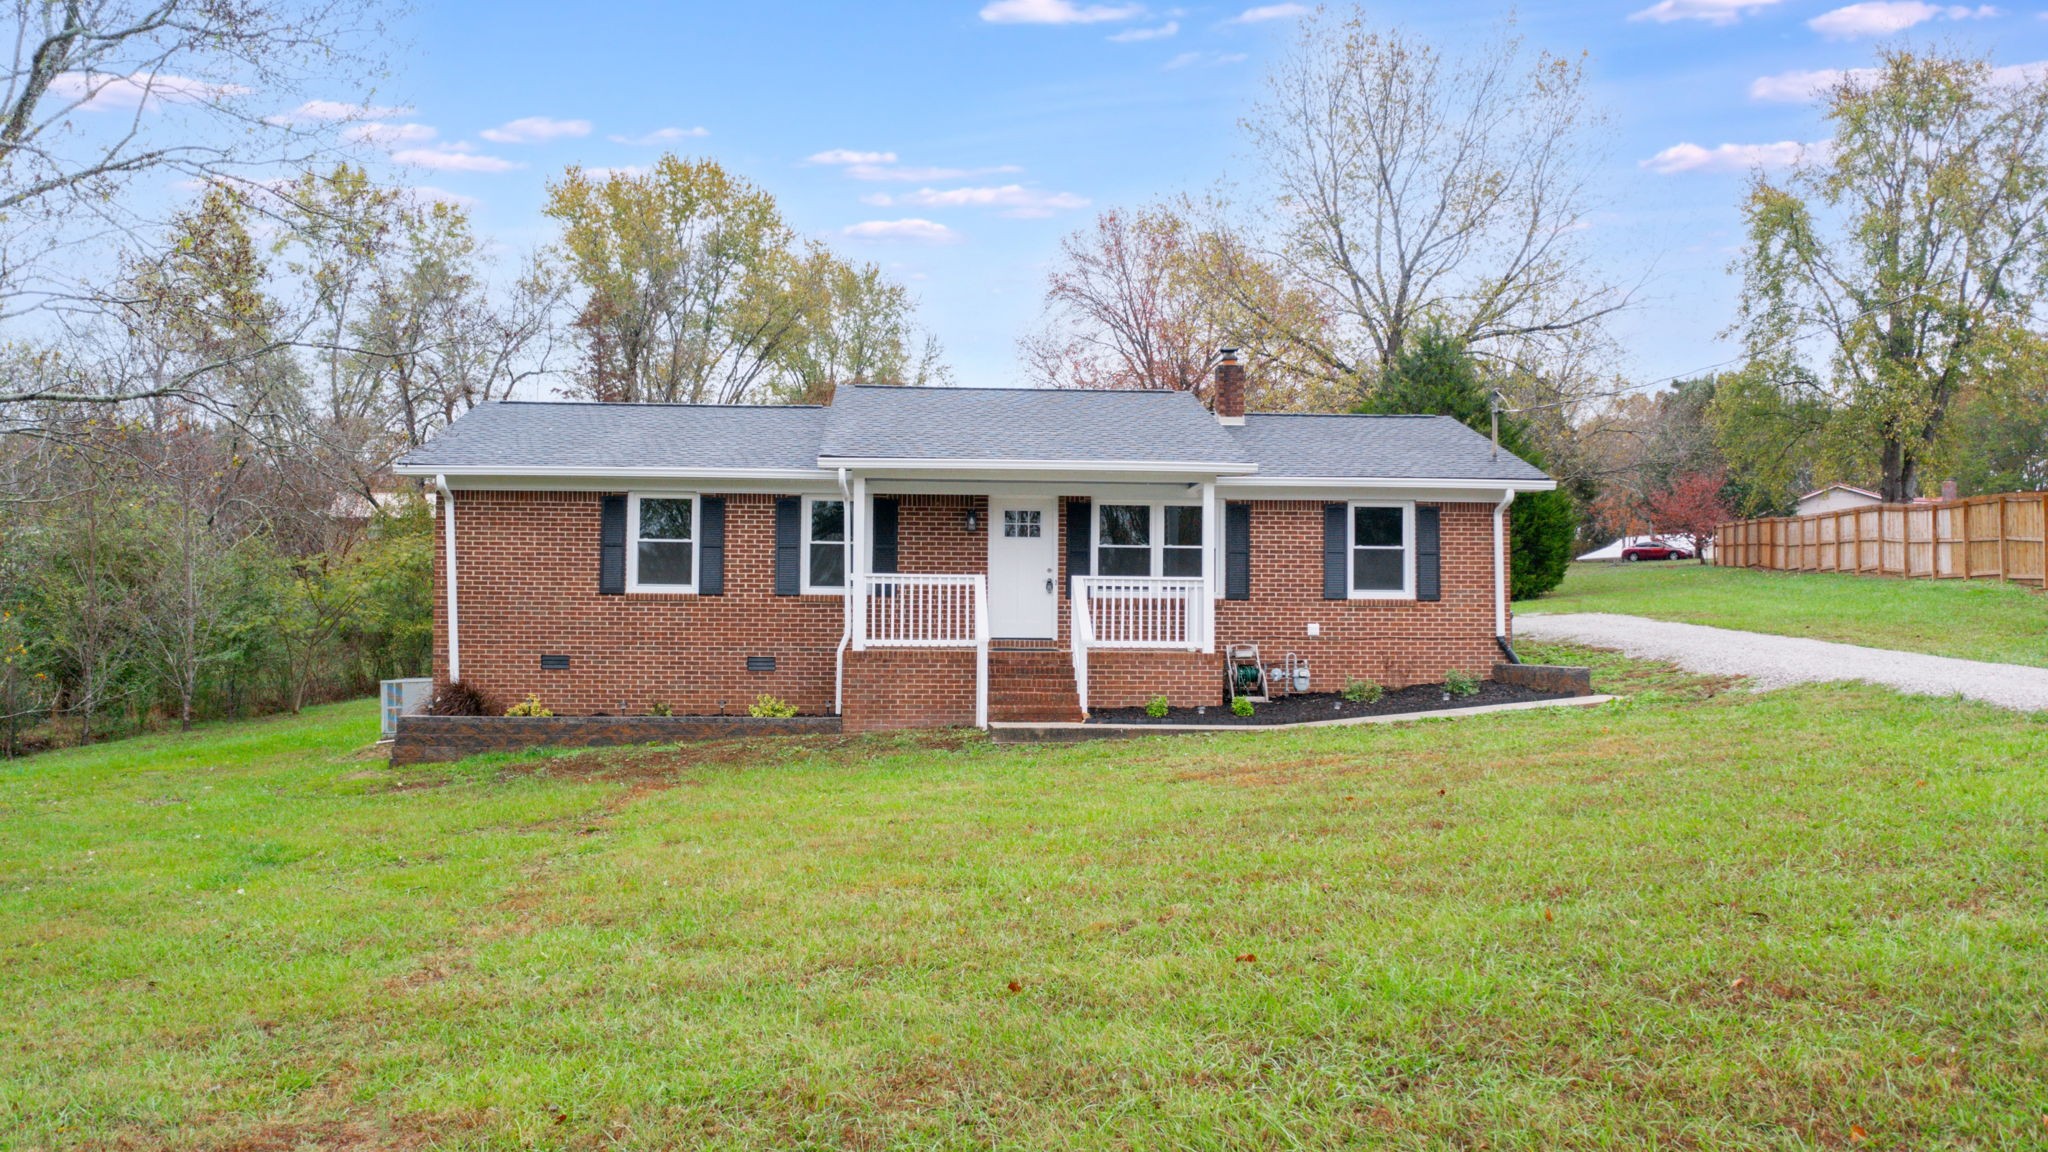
<point x="528" y="566"/>
<point x="909" y="688"/>
<point x="529" y="586"/>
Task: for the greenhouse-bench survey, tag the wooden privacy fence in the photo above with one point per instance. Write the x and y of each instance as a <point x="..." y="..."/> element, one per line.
<point x="1981" y="538"/>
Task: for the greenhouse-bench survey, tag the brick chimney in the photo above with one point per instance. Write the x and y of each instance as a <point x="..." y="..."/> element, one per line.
<point x="1229" y="400"/>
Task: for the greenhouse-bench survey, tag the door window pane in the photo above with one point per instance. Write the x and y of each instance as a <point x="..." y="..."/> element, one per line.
<point x="1022" y="523"/>
<point x="828" y="544"/>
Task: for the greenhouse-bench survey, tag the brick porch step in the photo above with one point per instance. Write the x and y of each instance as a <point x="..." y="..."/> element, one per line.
<point x="1031" y="684"/>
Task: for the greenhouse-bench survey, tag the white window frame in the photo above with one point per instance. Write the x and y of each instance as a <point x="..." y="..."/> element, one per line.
<point x="1157" y="564"/>
<point x="845" y="545"/>
<point x="1407" y="590"/>
<point x="633" y="584"/>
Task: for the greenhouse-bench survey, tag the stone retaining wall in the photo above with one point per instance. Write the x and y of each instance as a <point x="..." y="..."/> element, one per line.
<point x="1546" y="677"/>
<point x="426" y="739"/>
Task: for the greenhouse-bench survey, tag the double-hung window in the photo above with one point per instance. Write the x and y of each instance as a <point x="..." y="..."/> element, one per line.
<point x="664" y="552"/>
<point x="824" y="545"/>
<point x="1148" y="540"/>
<point x="1382" y="551"/>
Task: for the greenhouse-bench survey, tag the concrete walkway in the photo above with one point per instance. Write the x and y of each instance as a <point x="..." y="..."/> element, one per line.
<point x="1777" y="661"/>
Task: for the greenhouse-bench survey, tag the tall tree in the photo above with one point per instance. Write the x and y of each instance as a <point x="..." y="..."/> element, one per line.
<point x="1135" y="302"/>
<point x="1414" y="188"/>
<point x="1915" y="246"/>
<point x="1435" y="375"/>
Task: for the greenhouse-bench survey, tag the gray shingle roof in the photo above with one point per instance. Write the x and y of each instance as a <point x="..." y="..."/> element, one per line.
<point x="1025" y="424"/>
<point x="1375" y="447"/>
<point x="515" y="434"/>
<point x="962" y="424"/>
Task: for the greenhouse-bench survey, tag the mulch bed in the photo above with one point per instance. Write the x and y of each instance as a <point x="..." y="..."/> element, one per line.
<point x="1330" y="706"/>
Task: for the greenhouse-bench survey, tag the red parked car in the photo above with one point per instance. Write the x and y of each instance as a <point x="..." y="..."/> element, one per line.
<point x="1655" y="552"/>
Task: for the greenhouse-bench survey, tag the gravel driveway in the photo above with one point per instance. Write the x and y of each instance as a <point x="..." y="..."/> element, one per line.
<point x="1777" y="661"/>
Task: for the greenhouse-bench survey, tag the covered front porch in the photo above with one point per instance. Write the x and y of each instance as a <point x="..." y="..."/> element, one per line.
<point x="1036" y="581"/>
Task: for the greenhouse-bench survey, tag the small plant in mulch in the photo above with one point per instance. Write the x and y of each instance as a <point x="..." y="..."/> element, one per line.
<point x="1459" y="684"/>
<point x="531" y="706"/>
<point x="659" y="709"/>
<point x="1363" y="691"/>
<point x="1157" y="707"/>
<point x="1240" y="706"/>
<point x="766" y="707"/>
<point x="461" y="698"/>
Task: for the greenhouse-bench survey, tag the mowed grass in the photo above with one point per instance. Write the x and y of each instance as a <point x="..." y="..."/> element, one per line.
<point x="1971" y="619"/>
<point x="1700" y="919"/>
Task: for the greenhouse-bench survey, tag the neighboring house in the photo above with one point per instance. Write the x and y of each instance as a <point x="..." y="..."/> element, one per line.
<point x="936" y="556"/>
<point x="1835" y="498"/>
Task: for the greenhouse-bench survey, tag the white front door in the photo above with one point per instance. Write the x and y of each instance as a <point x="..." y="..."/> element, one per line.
<point x="1023" y="568"/>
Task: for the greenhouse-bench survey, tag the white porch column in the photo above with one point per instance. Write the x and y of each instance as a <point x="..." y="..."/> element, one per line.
<point x="858" y="562"/>
<point x="1212" y="551"/>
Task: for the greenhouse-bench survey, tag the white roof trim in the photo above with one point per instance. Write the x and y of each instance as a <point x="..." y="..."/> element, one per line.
<point x="647" y="473"/>
<point x="1543" y="485"/>
<point x="906" y="463"/>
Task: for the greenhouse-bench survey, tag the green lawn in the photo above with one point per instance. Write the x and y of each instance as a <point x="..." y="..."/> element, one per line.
<point x="1973" y="619"/>
<point x="1698" y="919"/>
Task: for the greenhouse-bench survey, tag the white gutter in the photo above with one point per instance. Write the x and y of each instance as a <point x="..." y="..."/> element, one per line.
<point x="1500" y="569"/>
<point x="964" y="464"/>
<point x="448" y="534"/>
<point x="847" y="607"/>
<point x="574" y="471"/>
<point x="1443" y="482"/>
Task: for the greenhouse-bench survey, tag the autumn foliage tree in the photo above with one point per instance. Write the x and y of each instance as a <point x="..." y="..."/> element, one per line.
<point x="1691" y="505"/>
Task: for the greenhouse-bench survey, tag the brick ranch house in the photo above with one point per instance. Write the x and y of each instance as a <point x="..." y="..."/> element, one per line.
<point x="911" y="557"/>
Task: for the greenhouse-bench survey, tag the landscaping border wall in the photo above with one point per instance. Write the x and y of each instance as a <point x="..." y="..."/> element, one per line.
<point x="430" y="739"/>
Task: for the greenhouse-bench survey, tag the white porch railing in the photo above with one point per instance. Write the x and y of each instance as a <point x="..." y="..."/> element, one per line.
<point x="1145" y="611"/>
<point x="925" y="611"/>
<point x="1158" y="612"/>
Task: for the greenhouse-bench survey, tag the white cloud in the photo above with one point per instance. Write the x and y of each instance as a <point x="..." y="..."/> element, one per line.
<point x="1709" y="11"/>
<point x="1884" y="17"/>
<point x="849" y="156"/>
<point x="1057" y="12"/>
<point x="431" y="194"/>
<point x="1266" y="12"/>
<point x="388" y="135"/>
<point x="1204" y="59"/>
<point x="336" y="110"/>
<point x="453" y="158"/>
<point x="1014" y="199"/>
<point x="1805" y="87"/>
<point x="1691" y="157"/>
<point x="534" y="129"/>
<point x="923" y="231"/>
<point x="660" y="136"/>
<point x="1133" y="35"/>
<point x="104" y="90"/>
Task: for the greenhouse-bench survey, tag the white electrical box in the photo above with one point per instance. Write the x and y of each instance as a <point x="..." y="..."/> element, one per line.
<point x="1315" y="628"/>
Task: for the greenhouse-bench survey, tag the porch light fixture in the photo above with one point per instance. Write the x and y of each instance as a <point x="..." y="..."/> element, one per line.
<point x="973" y="520"/>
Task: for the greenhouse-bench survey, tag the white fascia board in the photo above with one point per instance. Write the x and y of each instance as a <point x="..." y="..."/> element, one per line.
<point x="1264" y="484"/>
<point x="972" y="468"/>
<point x="782" y="480"/>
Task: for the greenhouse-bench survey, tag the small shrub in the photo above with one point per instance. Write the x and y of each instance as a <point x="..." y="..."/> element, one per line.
<point x="1363" y="691"/>
<point x="461" y="698"/>
<point x="531" y="706"/>
<point x="1240" y="706"/>
<point x="1459" y="684"/>
<point x="1157" y="707"/>
<point x="770" y="707"/>
<point x="659" y="709"/>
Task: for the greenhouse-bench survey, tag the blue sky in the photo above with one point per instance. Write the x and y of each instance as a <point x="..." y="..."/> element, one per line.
<point x="955" y="142"/>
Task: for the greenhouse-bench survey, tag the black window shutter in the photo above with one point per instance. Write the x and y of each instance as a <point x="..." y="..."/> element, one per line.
<point x="1080" y="523"/>
<point x="887" y="511"/>
<point x="611" y="547"/>
<point x="1237" y="551"/>
<point x="1429" y="551"/>
<point x="711" y="552"/>
<point x="1336" y="539"/>
<point x="789" y="545"/>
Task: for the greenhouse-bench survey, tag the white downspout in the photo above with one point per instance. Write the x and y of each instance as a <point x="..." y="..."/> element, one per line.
<point x="847" y="604"/>
<point x="1500" y="569"/>
<point x="448" y="535"/>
